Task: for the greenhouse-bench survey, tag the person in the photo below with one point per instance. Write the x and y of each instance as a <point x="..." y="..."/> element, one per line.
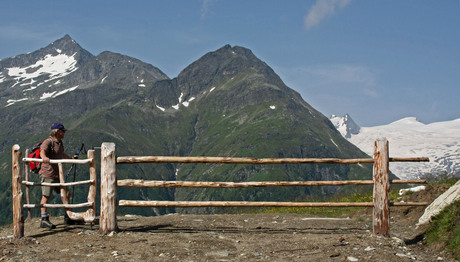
<point x="52" y="148"/>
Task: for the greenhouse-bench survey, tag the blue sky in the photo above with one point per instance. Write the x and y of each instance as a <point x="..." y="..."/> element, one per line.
<point x="379" y="61"/>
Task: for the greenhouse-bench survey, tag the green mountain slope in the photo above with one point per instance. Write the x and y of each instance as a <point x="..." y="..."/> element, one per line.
<point x="227" y="103"/>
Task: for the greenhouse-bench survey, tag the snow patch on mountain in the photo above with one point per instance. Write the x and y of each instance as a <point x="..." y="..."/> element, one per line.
<point x="345" y="125"/>
<point x="408" y="137"/>
<point x="55" y="66"/>
<point x="10" y="102"/>
<point x="56" y="94"/>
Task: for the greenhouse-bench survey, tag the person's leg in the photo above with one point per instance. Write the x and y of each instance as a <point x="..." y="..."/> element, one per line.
<point x="46" y="194"/>
<point x="44" y="200"/>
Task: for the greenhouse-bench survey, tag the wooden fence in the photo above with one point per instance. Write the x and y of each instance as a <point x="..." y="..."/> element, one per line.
<point x="381" y="182"/>
<point x="17" y="182"/>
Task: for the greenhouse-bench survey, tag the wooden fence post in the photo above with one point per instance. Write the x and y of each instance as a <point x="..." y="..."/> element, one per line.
<point x="108" y="219"/>
<point x="26" y="177"/>
<point x="18" y="211"/>
<point x="91" y="213"/>
<point x="381" y="196"/>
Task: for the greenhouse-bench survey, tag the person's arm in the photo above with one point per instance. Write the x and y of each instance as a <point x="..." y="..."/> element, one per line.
<point x="43" y="156"/>
<point x="66" y="156"/>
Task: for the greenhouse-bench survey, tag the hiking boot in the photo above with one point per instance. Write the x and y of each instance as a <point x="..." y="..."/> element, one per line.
<point x="45" y="223"/>
<point x="70" y="222"/>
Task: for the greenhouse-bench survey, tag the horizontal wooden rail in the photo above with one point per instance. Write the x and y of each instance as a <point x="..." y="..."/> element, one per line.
<point x="409" y="181"/>
<point x="409" y="159"/>
<point x="29" y="183"/>
<point x="409" y="204"/>
<point x="244" y="160"/>
<point x="201" y="184"/>
<point x="135" y="203"/>
<point x="381" y="182"/>
<point x="87" y="204"/>
<point x="18" y="206"/>
<point x="237" y="160"/>
<point x="62" y="161"/>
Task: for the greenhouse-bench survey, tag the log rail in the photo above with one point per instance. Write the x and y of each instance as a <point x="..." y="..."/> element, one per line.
<point x="260" y="161"/>
<point x="109" y="183"/>
<point x="380" y="181"/>
<point x="18" y="206"/>
<point x="203" y="184"/>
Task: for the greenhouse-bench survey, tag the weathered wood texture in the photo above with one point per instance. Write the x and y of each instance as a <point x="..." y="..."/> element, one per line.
<point x="76" y="183"/>
<point x="139" y="203"/>
<point x="26" y="177"/>
<point x="381" y="195"/>
<point x="441" y="202"/>
<point x="409" y="159"/>
<point x="108" y="219"/>
<point x="135" y="203"/>
<point x="409" y="181"/>
<point x="67" y="206"/>
<point x="243" y="160"/>
<point x="237" y="160"/>
<point x="90" y="215"/>
<point x="91" y="212"/>
<point x="204" y="184"/>
<point x="57" y="161"/>
<point x="18" y="211"/>
<point x="109" y="183"/>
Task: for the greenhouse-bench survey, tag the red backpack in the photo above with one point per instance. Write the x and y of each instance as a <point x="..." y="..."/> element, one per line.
<point x="35" y="153"/>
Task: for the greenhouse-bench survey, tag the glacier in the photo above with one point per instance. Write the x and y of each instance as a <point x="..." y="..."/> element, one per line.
<point x="409" y="137"/>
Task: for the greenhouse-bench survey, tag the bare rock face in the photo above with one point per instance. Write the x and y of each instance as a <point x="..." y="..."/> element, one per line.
<point x="444" y="200"/>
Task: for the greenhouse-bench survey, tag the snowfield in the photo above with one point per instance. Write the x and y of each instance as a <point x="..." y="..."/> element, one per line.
<point x="47" y="69"/>
<point x="56" y="66"/>
<point x="410" y="138"/>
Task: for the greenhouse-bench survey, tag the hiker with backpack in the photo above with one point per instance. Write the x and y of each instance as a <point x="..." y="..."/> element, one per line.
<point x="52" y="148"/>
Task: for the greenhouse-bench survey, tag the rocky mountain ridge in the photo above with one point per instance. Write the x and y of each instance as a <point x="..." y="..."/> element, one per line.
<point x="64" y="66"/>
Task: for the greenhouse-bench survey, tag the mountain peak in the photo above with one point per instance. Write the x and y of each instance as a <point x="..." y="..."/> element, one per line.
<point x="223" y="65"/>
<point x="65" y="45"/>
<point x="34" y="76"/>
<point x="66" y="38"/>
<point x="345" y="125"/>
<point x="235" y="50"/>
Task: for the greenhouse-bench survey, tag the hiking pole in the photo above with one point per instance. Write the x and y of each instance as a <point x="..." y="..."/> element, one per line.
<point x="75" y="171"/>
<point x="72" y="166"/>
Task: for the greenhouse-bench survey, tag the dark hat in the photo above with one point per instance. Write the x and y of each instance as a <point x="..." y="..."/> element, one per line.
<point x="58" y="126"/>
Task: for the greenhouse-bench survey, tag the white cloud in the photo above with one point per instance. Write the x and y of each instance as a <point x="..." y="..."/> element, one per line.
<point x="321" y="9"/>
<point x="205" y="8"/>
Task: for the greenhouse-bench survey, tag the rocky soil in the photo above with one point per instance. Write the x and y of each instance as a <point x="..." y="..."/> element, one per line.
<point x="234" y="237"/>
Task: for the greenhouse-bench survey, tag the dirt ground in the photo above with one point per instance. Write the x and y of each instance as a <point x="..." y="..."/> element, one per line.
<point x="235" y="237"/>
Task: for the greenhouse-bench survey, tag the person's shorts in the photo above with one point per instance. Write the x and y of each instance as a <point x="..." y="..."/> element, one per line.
<point x="47" y="190"/>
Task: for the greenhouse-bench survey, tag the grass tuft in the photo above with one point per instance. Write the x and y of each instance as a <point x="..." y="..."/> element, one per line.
<point x="444" y="232"/>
